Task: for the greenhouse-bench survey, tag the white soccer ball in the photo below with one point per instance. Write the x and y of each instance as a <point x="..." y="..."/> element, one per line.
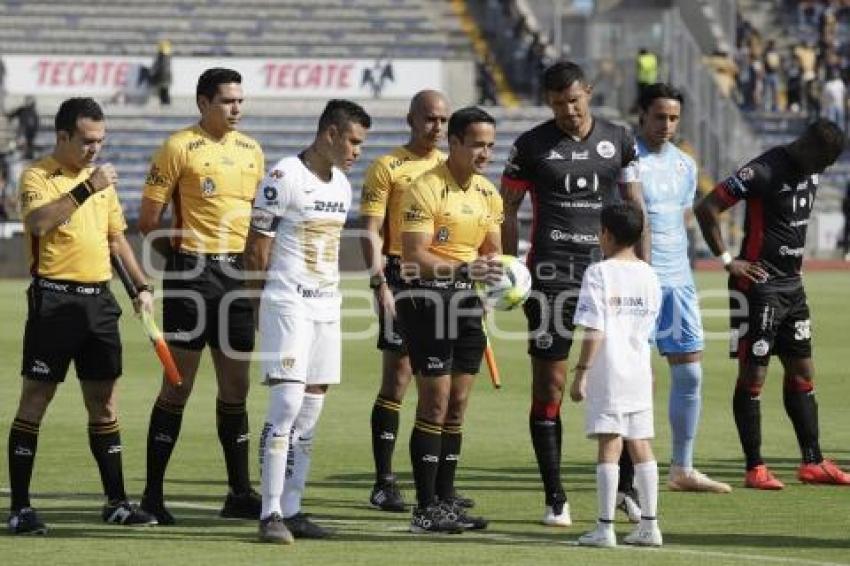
<point x="512" y="289"/>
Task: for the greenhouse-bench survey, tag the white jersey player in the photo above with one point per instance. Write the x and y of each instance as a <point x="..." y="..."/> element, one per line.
<point x="299" y="212"/>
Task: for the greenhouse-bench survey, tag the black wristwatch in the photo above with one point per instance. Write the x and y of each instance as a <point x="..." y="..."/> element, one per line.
<point x="376" y="281"/>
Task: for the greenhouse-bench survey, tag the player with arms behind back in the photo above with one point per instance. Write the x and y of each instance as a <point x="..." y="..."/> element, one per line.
<point x="571" y="165"/>
<point x="380" y="209"/>
<point x="292" y="255"/>
<point x="767" y="302"/>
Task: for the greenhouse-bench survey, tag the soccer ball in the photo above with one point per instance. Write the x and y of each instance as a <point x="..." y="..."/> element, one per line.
<point x="512" y="289"/>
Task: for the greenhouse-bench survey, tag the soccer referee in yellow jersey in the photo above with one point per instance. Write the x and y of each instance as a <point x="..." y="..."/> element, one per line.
<point x="73" y="222"/>
<point x="450" y="235"/>
<point x="380" y="210"/>
<point x="208" y="174"/>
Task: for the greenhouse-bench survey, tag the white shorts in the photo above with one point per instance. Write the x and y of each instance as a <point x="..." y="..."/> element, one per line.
<point x="633" y="426"/>
<point x="294" y="348"/>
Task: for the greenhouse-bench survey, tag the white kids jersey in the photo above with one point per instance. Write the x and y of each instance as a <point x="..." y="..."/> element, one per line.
<point x="305" y="215"/>
<point x="622" y="299"/>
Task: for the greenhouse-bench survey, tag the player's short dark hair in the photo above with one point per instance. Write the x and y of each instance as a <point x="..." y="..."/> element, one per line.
<point x="72" y="110"/>
<point x="210" y="80"/>
<point x="461" y="119"/>
<point x="624" y="220"/>
<point x="341" y="113"/>
<point x="561" y="75"/>
<point x="826" y="135"/>
<point x="659" y="90"/>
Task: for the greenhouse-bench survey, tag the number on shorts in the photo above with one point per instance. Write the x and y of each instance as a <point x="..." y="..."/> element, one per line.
<point x="802" y="330"/>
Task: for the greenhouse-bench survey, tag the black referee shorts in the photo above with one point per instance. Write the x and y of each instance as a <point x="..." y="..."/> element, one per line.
<point x="443" y="330"/>
<point x="71" y="321"/>
<point x="204" y="303"/>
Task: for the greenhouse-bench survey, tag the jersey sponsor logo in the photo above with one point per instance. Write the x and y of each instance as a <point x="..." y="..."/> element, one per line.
<point x="207" y="187"/>
<point x="22" y="451"/>
<point x="270" y="194"/>
<point x="54" y="174"/>
<point x="792" y="252"/>
<point x="543" y="341"/>
<point x="581" y="204"/>
<point x="262" y="220"/>
<point x="414" y="214"/>
<point x="560" y="236"/>
<point x="328" y="206"/>
<point x="242" y="144"/>
<point x="580" y="183"/>
<point x="746" y="174"/>
<point x="29" y="197"/>
<point x="761" y="347"/>
<point x="606" y="149"/>
<point x="369" y="195"/>
<point x="155" y="177"/>
<point x="581" y="155"/>
<point x="396" y="163"/>
<point x="443" y="234"/>
<point x="434" y="363"/>
<point x="308" y="293"/>
<point x="553" y="155"/>
<point x="193" y="145"/>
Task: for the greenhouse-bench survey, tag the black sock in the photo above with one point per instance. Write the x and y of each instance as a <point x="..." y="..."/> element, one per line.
<point x="627" y="472"/>
<point x="163" y="431"/>
<point x="802" y="409"/>
<point x="746" y="406"/>
<point x="232" y="424"/>
<point x="105" y="445"/>
<point x="385" y="415"/>
<point x="425" y="447"/>
<point x="546" y="439"/>
<point x="449" y="458"/>
<point x="23" y="441"/>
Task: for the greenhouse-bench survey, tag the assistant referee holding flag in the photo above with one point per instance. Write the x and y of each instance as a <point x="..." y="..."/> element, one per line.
<point x="73" y="222"/>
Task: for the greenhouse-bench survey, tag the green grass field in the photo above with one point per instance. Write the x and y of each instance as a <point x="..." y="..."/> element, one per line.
<point x="800" y="525"/>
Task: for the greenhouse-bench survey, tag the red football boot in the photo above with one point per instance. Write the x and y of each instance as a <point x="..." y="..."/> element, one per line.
<point x="824" y="473"/>
<point x="761" y="478"/>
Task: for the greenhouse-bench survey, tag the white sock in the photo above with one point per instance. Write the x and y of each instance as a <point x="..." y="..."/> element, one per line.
<point x="646" y="483"/>
<point x="284" y="405"/>
<point x="300" y="450"/>
<point x="607" y="476"/>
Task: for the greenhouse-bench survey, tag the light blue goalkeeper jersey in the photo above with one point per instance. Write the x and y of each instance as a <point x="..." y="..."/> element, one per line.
<point x="669" y="179"/>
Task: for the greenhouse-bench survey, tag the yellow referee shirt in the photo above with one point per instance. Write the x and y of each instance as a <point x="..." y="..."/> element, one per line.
<point x="458" y="217"/>
<point x="386" y="180"/>
<point x="211" y="185"/>
<point x="78" y="249"/>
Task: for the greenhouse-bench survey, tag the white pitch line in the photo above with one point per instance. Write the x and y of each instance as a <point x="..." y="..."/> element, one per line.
<point x="396" y="527"/>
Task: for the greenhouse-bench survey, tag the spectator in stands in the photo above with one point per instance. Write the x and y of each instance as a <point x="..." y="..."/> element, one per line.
<point x="161" y="72"/>
<point x="27" y="118"/>
<point x="794" y="82"/>
<point x="485" y="82"/>
<point x="834" y="98"/>
<point x="807" y="57"/>
<point x="646" y="71"/>
<point x="772" y="62"/>
<point x="7" y="146"/>
<point x="725" y="72"/>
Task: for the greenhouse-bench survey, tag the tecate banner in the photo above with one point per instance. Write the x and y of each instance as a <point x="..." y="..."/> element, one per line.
<point x="79" y="75"/>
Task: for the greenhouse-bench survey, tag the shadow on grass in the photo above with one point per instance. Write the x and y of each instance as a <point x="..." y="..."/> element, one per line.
<point x="753" y="540"/>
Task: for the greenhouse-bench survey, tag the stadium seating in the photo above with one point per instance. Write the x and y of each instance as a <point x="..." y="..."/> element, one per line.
<point x="365" y="28"/>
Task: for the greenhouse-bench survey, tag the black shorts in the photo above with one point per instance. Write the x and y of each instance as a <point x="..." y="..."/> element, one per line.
<point x="768" y="320"/>
<point x="443" y="330"/>
<point x="390" y="336"/>
<point x="195" y="289"/>
<point x="550" y="322"/>
<point x="71" y="321"/>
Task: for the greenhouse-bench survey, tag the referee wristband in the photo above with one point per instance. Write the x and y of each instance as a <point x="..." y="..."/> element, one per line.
<point x="725" y="258"/>
<point x="80" y="193"/>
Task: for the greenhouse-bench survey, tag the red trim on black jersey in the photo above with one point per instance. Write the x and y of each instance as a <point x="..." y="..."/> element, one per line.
<point x="755" y="229"/>
<point x="516" y="184"/>
<point x="177" y="239"/>
<point x="722" y="192"/>
<point x="535" y="215"/>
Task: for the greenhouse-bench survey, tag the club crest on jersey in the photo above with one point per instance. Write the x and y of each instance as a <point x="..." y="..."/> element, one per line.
<point x="207" y="187"/>
<point x="443" y="234"/>
<point x="543" y="341"/>
<point x="605" y="149"/>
